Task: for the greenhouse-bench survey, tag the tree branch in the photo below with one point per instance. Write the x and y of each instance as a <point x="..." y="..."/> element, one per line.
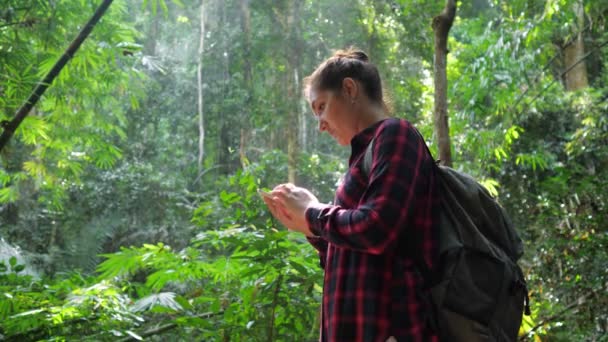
<point x="580" y="60"/>
<point x="13" y="23"/>
<point x="11" y="126"/>
<point x="44" y="331"/>
<point x="575" y="304"/>
<point x="275" y="302"/>
<point x="170" y="326"/>
<point x="547" y="65"/>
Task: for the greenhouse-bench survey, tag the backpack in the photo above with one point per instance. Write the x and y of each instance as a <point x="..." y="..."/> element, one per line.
<point x="478" y="291"/>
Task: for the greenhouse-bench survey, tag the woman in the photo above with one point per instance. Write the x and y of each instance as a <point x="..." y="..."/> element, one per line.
<point x="380" y="235"/>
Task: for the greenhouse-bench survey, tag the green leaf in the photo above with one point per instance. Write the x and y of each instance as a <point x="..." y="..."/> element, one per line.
<point x="164" y="299"/>
<point x="9" y="194"/>
<point x="124" y="262"/>
<point x="163" y="5"/>
<point x="299" y="267"/>
<point x="183" y="302"/>
<point x="491" y="185"/>
<point x="154" y="4"/>
<point x="134" y="335"/>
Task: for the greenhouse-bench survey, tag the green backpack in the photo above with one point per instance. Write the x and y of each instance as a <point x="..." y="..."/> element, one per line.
<point x="478" y="291"/>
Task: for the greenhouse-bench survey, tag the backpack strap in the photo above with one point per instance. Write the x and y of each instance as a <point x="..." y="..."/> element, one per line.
<point x="368" y="156"/>
<point x="425" y="145"/>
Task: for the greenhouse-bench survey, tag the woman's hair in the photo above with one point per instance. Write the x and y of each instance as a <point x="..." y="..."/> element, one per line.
<point x="351" y="63"/>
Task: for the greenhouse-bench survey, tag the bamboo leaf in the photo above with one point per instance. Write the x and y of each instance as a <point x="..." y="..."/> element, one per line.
<point x="163" y="299"/>
<point x="134" y="335"/>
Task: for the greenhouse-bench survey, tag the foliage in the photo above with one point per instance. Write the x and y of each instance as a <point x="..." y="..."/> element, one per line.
<point x="108" y="158"/>
<point x="261" y="282"/>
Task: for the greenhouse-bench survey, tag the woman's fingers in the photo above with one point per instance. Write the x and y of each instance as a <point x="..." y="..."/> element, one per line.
<point x="277" y="209"/>
<point x="282" y="205"/>
<point x="281" y="197"/>
<point x="270" y="204"/>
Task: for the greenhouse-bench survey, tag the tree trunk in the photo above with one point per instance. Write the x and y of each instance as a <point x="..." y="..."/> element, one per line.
<point x="248" y="78"/>
<point x="150" y="43"/>
<point x="199" y="75"/>
<point x="293" y="60"/>
<point x="576" y="78"/>
<point x="242" y="148"/>
<point x="303" y="127"/>
<point x="441" y="27"/>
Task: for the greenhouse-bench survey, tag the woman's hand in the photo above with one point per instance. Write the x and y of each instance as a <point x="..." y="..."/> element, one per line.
<point x="289" y="204"/>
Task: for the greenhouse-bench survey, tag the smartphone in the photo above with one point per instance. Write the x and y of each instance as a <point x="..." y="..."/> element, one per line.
<point x="265" y="194"/>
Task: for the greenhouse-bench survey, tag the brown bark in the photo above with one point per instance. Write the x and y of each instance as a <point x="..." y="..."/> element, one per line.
<point x="242" y="148"/>
<point x="441" y="27"/>
<point x="577" y="78"/>
<point x="199" y="77"/>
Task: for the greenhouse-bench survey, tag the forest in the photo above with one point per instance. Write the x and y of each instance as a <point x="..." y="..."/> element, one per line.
<point x="128" y="196"/>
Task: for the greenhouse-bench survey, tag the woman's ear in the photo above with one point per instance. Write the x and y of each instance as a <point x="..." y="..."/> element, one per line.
<point x="350" y="88"/>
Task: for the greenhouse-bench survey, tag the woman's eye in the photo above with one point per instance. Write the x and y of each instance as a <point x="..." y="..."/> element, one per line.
<point x="321" y="108"/>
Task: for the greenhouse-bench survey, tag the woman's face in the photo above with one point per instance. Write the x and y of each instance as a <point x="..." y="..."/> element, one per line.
<point x="334" y="115"/>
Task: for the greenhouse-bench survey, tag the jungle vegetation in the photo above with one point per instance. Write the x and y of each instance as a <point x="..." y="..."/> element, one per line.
<point x="128" y="204"/>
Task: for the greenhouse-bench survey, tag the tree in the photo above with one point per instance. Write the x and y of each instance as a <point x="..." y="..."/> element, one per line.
<point x="248" y="78"/>
<point x="574" y="52"/>
<point x="292" y="75"/>
<point x="199" y="78"/>
<point x="441" y="26"/>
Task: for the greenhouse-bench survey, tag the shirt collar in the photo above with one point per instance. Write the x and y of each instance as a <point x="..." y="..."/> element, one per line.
<point x="362" y="139"/>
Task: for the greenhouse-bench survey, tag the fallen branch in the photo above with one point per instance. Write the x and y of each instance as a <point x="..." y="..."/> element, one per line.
<point x="575" y="304"/>
<point x="44" y="331"/>
<point x="13" y="23"/>
<point x="170" y="326"/>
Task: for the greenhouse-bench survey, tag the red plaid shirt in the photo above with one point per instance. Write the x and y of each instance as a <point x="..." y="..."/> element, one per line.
<point x="368" y="240"/>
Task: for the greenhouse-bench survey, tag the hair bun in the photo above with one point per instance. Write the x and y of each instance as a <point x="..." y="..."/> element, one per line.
<point x="352" y="53"/>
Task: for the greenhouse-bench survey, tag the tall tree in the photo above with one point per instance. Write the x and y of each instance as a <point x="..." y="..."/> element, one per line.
<point x="441" y="26"/>
<point x="248" y="77"/>
<point x="574" y="52"/>
<point x="199" y="78"/>
<point x="293" y="18"/>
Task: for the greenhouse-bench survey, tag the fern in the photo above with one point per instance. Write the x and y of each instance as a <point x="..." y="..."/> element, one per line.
<point x="164" y="299"/>
<point x="127" y="261"/>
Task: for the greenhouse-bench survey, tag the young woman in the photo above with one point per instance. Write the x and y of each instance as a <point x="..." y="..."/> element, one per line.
<point x="380" y="235"/>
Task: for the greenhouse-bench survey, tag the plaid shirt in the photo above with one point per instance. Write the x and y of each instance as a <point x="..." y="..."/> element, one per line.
<point x="367" y="239"/>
